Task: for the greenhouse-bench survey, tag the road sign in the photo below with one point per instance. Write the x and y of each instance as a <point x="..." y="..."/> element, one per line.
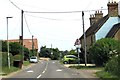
<point x="77" y="42"/>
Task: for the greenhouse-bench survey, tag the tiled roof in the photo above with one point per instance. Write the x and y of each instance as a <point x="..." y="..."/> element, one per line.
<point x="27" y="43"/>
<point x="96" y="26"/>
<point x="113" y="31"/>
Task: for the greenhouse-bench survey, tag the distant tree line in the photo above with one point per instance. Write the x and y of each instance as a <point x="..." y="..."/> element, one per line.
<point x="54" y="53"/>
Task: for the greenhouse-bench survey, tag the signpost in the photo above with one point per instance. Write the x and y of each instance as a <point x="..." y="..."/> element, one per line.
<point x="77" y="45"/>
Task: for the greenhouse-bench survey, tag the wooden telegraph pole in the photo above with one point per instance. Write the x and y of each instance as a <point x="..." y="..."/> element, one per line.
<point x="84" y="39"/>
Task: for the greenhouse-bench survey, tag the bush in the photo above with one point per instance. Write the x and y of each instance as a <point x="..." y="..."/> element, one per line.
<point x="113" y="66"/>
<point x="17" y="57"/>
<point x="103" y="50"/>
<point x="15" y="48"/>
<point x="4" y="56"/>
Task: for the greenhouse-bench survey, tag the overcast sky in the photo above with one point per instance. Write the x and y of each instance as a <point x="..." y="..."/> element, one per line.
<point x="59" y="29"/>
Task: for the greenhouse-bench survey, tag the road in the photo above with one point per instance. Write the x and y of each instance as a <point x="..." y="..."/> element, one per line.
<point x="48" y="69"/>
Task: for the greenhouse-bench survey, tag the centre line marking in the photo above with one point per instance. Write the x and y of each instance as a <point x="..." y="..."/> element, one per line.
<point x="39" y="76"/>
<point x="43" y="71"/>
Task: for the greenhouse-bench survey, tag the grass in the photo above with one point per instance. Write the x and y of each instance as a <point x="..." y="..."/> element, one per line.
<point x="86" y="67"/>
<point x="103" y="75"/>
<point x="26" y="63"/>
<point x="6" y="70"/>
<point x="106" y="76"/>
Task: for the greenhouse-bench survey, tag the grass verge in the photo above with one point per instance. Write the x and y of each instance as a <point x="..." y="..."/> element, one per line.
<point x="87" y="67"/>
<point x="6" y="70"/>
<point x="106" y="76"/>
<point x="26" y="63"/>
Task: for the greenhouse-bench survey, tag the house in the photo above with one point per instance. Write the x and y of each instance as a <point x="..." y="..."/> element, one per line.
<point x="103" y="27"/>
<point x="28" y="43"/>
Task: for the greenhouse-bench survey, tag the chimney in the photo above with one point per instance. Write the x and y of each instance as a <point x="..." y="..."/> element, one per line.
<point x="112" y="9"/>
<point x="94" y="18"/>
<point x="98" y="14"/>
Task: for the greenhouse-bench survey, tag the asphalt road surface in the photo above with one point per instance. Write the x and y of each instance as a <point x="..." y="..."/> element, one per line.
<point x="48" y="69"/>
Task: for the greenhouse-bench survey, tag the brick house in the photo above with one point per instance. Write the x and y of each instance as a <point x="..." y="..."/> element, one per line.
<point x="103" y="27"/>
<point x="28" y="43"/>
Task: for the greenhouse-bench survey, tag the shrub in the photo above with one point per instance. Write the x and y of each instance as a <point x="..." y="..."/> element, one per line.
<point x="103" y="50"/>
<point x="17" y="57"/>
<point x="113" y="66"/>
<point x="4" y="56"/>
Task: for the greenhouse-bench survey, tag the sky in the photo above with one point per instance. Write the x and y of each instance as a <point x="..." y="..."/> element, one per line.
<point x="59" y="29"/>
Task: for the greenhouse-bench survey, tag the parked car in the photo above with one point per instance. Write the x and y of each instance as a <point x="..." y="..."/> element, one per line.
<point x="33" y="59"/>
<point x="68" y="59"/>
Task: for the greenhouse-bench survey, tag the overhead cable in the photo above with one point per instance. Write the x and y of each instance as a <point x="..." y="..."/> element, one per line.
<point x="15" y="5"/>
<point x="43" y="17"/>
<point x="27" y="25"/>
<point x="63" y="11"/>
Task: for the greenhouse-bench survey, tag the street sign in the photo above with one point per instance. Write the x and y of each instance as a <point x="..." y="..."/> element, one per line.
<point x="77" y="42"/>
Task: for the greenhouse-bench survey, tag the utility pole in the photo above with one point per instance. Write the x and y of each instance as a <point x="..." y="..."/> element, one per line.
<point x="22" y="52"/>
<point x="84" y="39"/>
<point x="32" y="44"/>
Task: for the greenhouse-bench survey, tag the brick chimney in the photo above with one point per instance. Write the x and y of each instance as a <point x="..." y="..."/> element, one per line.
<point x="112" y="9"/>
<point x="95" y="17"/>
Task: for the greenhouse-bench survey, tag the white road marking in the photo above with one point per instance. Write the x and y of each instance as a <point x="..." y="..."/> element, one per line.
<point x="43" y="72"/>
<point x="39" y="76"/>
<point x="30" y="71"/>
<point x="59" y="70"/>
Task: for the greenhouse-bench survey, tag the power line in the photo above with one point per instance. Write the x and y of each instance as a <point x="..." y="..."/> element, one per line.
<point x="53" y="18"/>
<point x="55" y="12"/>
<point x="42" y="17"/>
<point x="27" y="25"/>
<point x="63" y="11"/>
<point x="15" y="5"/>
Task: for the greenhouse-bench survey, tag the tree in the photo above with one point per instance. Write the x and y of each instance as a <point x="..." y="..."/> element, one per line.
<point x="72" y="52"/>
<point x="100" y="52"/>
<point x="4" y="46"/>
<point x="56" y="54"/>
<point x="44" y="52"/>
<point x="15" y="48"/>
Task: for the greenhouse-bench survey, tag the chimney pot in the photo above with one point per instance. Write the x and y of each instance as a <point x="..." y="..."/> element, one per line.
<point x="112" y="9"/>
<point x="95" y="17"/>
